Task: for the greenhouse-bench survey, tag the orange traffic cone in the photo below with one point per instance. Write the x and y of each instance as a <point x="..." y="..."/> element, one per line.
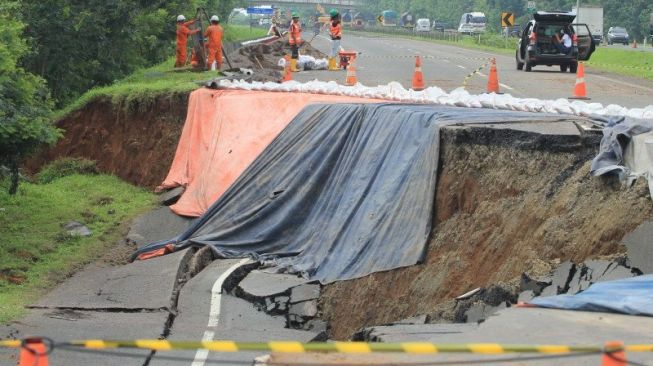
<point x="33" y="353"/>
<point x="418" y="76"/>
<point x="579" y="90"/>
<point x="493" y="79"/>
<point x="635" y="43"/>
<point x="614" y="358"/>
<point x="351" y="73"/>
<point x="287" y="73"/>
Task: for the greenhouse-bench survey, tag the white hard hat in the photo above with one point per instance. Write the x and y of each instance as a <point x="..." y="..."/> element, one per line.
<point x="181" y="18"/>
<point x="215" y="18"/>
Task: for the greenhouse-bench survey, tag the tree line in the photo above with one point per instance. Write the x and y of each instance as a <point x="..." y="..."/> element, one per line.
<point x="53" y="51"/>
<point x="632" y="14"/>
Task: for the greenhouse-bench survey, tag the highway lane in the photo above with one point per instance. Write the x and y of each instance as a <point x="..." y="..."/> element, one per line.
<point x="384" y="59"/>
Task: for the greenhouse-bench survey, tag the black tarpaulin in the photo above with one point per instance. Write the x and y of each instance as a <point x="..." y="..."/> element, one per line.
<point x="344" y="191"/>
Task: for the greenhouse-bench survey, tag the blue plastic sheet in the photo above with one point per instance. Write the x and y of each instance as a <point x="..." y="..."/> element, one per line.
<point x="630" y="296"/>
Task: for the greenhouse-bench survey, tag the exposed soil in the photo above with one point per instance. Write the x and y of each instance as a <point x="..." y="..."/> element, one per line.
<point x="506" y="203"/>
<point x="136" y="144"/>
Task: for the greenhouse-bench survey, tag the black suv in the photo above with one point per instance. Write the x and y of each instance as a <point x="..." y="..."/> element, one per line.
<point x="537" y="46"/>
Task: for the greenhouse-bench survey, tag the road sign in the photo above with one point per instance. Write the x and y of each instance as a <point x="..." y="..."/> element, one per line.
<point x="531" y="6"/>
<point x="379" y="19"/>
<point x="260" y="10"/>
<point x="507" y="19"/>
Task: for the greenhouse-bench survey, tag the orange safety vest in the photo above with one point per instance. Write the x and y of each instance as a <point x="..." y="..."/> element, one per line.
<point x="295" y="33"/>
<point x="183" y="32"/>
<point x="336" y="30"/>
<point x="214" y="36"/>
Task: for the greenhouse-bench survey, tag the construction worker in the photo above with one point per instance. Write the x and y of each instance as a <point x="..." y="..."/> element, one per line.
<point x="213" y="37"/>
<point x="336" y="35"/>
<point x="182" y="39"/>
<point x="295" y="40"/>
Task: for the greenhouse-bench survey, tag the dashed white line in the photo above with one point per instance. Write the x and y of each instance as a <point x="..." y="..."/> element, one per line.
<point x="462" y="67"/>
<point x="214" y="314"/>
<point x="506" y="86"/>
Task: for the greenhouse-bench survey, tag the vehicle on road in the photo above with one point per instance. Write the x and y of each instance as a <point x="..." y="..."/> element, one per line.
<point x="407" y="20"/>
<point x="389" y="18"/>
<point x="472" y="23"/>
<point x="618" y="35"/>
<point x="347" y="18"/>
<point x="536" y="45"/>
<point x="439" y="26"/>
<point x="422" y="25"/>
<point x="593" y="17"/>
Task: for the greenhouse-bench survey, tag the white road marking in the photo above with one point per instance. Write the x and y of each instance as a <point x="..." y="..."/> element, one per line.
<point x="506" y="86"/>
<point x="462" y="67"/>
<point x="214" y="314"/>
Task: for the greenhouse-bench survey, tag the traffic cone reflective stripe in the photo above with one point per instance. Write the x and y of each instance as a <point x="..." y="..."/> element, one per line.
<point x="418" y="76"/>
<point x="33" y="353"/>
<point x="617" y="358"/>
<point x="493" y="79"/>
<point x="580" y="91"/>
<point x="351" y="74"/>
<point x="287" y="74"/>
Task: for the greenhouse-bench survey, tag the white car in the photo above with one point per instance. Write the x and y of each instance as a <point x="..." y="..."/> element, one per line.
<point x="423" y="25"/>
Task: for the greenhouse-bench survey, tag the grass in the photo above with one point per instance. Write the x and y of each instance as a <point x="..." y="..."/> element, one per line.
<point x="623" y="62"/>
<point x="38" y="252"/>
<point x="145" y="85"/>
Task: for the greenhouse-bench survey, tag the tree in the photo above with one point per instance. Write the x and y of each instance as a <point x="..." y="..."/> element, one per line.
<point x="25" y="105"/>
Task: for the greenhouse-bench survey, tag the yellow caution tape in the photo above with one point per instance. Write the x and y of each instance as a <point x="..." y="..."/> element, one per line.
<point x="340" y="347"/>
<point x="469" y="76"/>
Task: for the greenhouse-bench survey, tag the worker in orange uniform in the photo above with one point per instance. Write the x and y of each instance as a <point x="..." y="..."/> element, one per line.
<point x="335" y="31"/>
<point x="213" y="37"/>
<point x="295" y="40"/>
<point x="182" y="39"/>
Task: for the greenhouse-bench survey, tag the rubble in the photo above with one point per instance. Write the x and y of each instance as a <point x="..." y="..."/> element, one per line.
<point x="263" y="59"/>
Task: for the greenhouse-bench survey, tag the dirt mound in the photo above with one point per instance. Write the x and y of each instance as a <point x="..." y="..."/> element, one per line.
<point x="505" y="203"/>
<point x="264" y="58"/>
<point x="136" y="143"/>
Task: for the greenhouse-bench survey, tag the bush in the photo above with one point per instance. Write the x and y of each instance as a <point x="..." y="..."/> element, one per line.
<point x="64" y="167"/>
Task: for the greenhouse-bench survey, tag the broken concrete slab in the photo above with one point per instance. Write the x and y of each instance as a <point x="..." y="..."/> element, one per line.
<point x="260" y="284"/>
<point x="616" y="272"/>
<point x="306" y="309"/>
<point x="66" y="325"/>
<point x="535" y="285"/>
<point x="640" y="247"/>
<point x="480" y="311"/>
<point x="171" y="197"/>
<point x="304" y="293"/>
<point x="412" y="333"/>
<point x="138" y="285"/>
<point x="561" y="277"/>
<point x="159" y="224"/>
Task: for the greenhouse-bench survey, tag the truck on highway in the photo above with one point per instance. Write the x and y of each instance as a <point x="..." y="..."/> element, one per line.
<point x="389" y="18"/>
<point x="472" y="23"/>
<point x="593" y="17"/>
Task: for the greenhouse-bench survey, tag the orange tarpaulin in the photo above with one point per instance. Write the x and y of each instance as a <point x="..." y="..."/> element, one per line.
<point x="225" y="131"/>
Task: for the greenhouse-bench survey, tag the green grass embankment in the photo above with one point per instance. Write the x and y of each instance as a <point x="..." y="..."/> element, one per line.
<point x="623" y="62"/>
<point x="38" y="252"/>
<point x="145" y="85"/>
